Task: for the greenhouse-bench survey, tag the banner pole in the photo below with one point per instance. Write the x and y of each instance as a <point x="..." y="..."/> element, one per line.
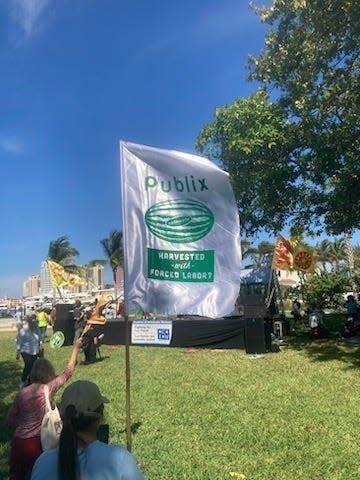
<point x="126" y="311"/>
<point x="127" y="384"/>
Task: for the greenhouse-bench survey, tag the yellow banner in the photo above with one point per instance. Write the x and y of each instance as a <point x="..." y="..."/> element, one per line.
<point x="59" y="277"/>
<point x="304" y="258"/>
<point x="57" y="274"/>
<point x="74" y="280"/>
<point x="283" y="255"/>
<point x="292" y="255"/>
<point x="96" y="317"/>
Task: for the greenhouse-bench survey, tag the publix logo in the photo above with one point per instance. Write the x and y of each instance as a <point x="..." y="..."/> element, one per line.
<point x="179" y="221"/>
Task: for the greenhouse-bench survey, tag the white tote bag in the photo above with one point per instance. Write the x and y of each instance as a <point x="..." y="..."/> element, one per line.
<point x="51" y="425"/>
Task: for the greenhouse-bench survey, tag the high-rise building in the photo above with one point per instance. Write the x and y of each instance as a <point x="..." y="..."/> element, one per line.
<point x="42" y="285"/>
<point x="119" y="284"/>
<point x="94" y="280"/>
<point x="31" y="286"/>
<point x="46" y="287"/>
<point x="95" y="277"/>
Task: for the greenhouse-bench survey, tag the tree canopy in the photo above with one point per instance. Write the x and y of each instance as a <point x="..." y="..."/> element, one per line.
<point x="249" y="138"/>
<point x="61" y="251"/>
<point x="295" y="159"/>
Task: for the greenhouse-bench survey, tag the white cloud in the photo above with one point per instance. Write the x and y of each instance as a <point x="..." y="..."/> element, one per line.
<point x="10" y="144"/>
<point x="28" y="14"/>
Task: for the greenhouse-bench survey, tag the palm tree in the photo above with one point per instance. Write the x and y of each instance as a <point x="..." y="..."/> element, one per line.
<point x="337" y="254"/>
<point x="95" y="262"/>
<point x="113" y="249"/>
<point x="357" y="257"/>
<point x="322" y="253"/>
<point x="62" y="252"/>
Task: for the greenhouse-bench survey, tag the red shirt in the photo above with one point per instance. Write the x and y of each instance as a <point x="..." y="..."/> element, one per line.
<point x="28" y="409"/>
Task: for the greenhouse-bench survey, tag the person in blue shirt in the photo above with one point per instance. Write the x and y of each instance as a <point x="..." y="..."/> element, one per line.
<point x="80" y="456"/>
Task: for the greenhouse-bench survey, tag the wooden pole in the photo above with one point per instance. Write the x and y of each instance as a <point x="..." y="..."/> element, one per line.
<point x="126" y="312"/>
<point x="279" y="299"/>
<point x="127" y="384"/>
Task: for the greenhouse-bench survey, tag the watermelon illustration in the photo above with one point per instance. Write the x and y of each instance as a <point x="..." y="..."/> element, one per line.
<point x="179" y="221"/>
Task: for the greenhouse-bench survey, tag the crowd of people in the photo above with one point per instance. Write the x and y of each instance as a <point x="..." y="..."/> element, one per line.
<point x="32" y="329"/>
<point x="313" y="318"/>
<point x="79" y="454"/>
<point x="28" y="409"/>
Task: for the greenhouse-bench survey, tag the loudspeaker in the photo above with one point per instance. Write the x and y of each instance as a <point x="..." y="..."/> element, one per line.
<point x="65" y="321"/>
<point x="253" y="305"/>
<point x="255" y="340"/>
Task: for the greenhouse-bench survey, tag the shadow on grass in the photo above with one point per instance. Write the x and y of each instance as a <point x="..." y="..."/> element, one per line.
<point x="10" y="372"/>
<point x="134" y="428"/>
<point x="331" y="348"/>
<point x="326" y="349"/>
<point x="85" y="363"/>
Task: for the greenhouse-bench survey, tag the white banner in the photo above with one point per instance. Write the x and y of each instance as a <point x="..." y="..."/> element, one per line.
<point x="181" y="233"/>
<point x="151" y="332"/>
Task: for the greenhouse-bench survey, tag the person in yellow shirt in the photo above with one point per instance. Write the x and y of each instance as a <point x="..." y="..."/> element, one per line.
<point x="42" y="319"/>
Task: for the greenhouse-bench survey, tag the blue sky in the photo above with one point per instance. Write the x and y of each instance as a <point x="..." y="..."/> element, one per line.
<point x="78" y="76"/>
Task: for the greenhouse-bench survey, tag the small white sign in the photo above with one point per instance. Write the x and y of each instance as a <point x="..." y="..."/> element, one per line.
<point x="151" y="332"/>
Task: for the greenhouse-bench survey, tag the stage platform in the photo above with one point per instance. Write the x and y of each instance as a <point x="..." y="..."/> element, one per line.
<point x="189" y="332"/>
<point x="252" y="334"/>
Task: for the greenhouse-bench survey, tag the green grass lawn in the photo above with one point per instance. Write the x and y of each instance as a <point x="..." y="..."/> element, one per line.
<point x="223" y="414"/>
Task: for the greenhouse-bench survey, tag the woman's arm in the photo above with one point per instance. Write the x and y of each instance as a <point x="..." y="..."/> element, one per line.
<point x="74" y="353"/>
<point x="19" y="341"/>
<point x="58" y="381"/>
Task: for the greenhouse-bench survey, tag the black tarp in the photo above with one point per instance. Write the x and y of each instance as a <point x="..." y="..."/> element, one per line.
<point x="190" y="332"/>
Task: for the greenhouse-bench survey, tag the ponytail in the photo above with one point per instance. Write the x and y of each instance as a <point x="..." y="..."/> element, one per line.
<point x="73" y="422"/>
<point x="68" y="468"/>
